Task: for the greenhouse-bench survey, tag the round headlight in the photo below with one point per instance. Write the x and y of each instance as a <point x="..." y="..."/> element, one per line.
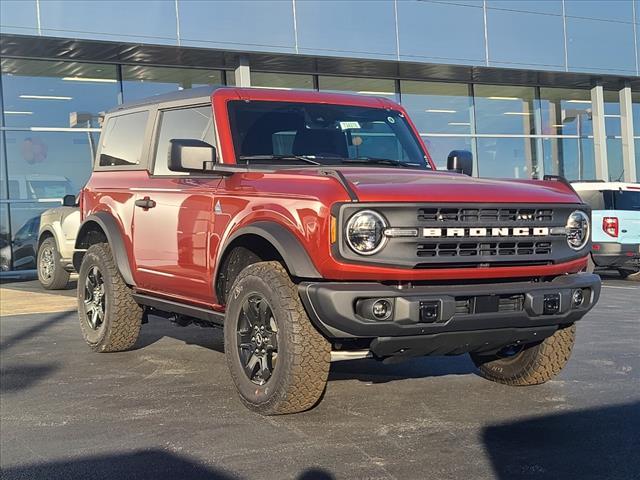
<point x="577" y="230"/>
<point x="365" y="232"/>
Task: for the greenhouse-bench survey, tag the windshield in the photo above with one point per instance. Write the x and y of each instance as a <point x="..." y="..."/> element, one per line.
<point x="320" y="134"/>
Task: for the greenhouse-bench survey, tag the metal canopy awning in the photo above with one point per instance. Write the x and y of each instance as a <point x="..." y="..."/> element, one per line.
<point x="21" y="46"/>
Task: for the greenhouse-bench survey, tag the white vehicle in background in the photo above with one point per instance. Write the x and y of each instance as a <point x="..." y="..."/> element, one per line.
<point x="615" y="220"/>
<point x="56" y="241"/>
<point x="39" y="186"/>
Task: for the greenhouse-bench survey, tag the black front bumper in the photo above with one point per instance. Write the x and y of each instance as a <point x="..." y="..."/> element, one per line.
<point x="616" y="255"/>
<point x="473" y="317"/>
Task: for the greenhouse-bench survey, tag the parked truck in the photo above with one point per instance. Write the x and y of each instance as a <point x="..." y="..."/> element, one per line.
<point x="312" y="224"/>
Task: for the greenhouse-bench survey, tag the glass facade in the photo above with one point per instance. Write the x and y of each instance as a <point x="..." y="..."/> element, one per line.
<point x="51" y="122"/>
<point x="515" y="127"/>
<point x="594" y="36"/>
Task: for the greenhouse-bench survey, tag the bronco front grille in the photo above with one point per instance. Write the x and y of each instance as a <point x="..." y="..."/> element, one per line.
<point x="504" y="216"/>
<point x="467" y="235"/>
<point x="482" y="249"/>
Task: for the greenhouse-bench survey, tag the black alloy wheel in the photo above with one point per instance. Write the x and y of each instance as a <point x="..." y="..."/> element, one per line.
<point x="94" y="298"/>
<point x="257" y="339"/>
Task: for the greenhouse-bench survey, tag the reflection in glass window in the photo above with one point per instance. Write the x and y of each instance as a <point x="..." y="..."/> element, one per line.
<point x="186" y="123"/>
<point x="284" y="81"/>
<point x="566" y="112"/>
<point x="140" y="81"/>
<point x="122" y="139"/>
<point x="47" y="93"/>
<point x="440" y="147"/>
<point x="637" y="145"/>
<point x="507" y="157"/>
<point x="614" y="159"/>
<point x="613" y="129"/>
<point x="3" y="169"/>
<point x="438" y="107"/>
<point x="504" y="110"/>
<point x="5" y="239"/>
<point x="48" y="164"/>
<point x="571" y="158"/>
<point x="612" y="113"/>
<point x="25" y="223"/>
<point x="361" y="86"/>
<point x="635" y="106"/>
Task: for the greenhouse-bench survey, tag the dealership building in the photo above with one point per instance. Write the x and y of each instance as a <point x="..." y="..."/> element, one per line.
<point x="529" y="87"/>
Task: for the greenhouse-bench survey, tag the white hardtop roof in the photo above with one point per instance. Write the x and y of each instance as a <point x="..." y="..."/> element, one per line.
<point x="581" y="186"/>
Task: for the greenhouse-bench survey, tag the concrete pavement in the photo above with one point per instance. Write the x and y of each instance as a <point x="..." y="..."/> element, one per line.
<point x="168" y="410"/>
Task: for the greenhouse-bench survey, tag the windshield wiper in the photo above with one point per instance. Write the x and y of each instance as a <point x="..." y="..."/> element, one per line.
<point x="380" y="161"/>
<point x="279" y="157"/>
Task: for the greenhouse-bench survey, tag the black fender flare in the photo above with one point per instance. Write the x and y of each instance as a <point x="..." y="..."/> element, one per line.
<point x="46" y="232"/>
<point x="294" y="255"/>
<point x="110" y="227"/>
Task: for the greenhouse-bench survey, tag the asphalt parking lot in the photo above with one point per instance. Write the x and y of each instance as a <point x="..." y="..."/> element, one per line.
<point x="168" y="410"/>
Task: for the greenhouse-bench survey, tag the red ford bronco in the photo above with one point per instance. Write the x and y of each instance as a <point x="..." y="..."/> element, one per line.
<point x="314" y="225"/>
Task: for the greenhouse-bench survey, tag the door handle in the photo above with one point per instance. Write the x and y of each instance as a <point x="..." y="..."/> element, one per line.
<point x="145" y="203"/>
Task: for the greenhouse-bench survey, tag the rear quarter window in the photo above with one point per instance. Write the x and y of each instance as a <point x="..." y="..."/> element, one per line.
<point x="122" y="141"/>
<point x="625" y="200"/>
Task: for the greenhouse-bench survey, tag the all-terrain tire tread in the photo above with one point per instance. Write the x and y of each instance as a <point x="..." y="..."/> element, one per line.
<point x="125" y="314"/>
<point x="309" y="371"/>
<point x="540" y="365"/>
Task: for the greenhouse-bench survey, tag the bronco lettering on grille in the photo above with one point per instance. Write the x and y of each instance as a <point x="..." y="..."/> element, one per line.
<point x="485" y="232"/>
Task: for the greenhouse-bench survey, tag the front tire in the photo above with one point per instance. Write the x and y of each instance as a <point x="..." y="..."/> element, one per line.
<point x="278" y="361"/>
<point x="110" y="318"/>
<point x="531" y="365"/>
<point x="51" y="274"/>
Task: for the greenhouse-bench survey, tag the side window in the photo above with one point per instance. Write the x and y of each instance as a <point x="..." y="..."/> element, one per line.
<point x="122" y="140"/>
<point x="186" y="123"/>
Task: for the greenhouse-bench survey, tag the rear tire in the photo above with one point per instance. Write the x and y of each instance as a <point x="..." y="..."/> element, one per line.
<point x="50" y="272"/>
<point x="533" y="365"/>
<point x="110" y="318"/>
<point x="624" y="274"/>
<point x="278" y="361"/>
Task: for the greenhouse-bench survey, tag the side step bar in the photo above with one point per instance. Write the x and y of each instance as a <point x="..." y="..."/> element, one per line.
<point x="178" y="308"/>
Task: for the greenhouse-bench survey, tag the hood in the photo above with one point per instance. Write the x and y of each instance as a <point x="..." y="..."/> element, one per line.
<point x="386" y="184"/>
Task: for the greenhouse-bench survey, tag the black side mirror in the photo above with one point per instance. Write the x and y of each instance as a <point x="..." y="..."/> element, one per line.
<point x="190" y="155"/>
<point x="460" y="161"/>
<point x="69" y="201"/>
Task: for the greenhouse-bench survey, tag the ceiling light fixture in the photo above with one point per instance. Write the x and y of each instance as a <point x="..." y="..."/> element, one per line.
<point x="460" y="124"/>
<point x="45" y="97"/>
<point x="366" y="92"/>
<point x="517" y="113"/>
<point x="89" y="79"/>
<point x="504" y="98"/>
<point x="579" y="101"/>
<point x="439" y="110"/>
<point x="16" y="112"/>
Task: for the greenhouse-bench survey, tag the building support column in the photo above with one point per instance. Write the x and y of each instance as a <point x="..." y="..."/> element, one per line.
<point x="628" y="143"/>
<point x="243" y="73"/>
<point x="599" y="133"/>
